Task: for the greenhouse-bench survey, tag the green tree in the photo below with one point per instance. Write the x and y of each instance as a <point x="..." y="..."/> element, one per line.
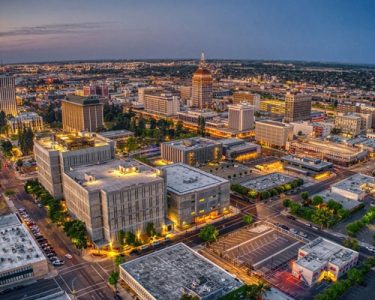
<point x="113" y="279"/>
<point x="201" y="126"/>
<point x="152" y="122"/>
<point x="188" y="297"/>
<point x="317" y="200"/>
<point x="150" y="229"/>
<point x="355" y="276"/>
<point x="119" y="260"/>
<point x="286" y="202"/>
<point x="7" y="147"/>
<point x="130" y="238"/>
<point x="248" y="219"/>
<point x="121" y="237"/>
<point x="322" y="217"/>
<point x="209" y="233"/>
<point x="179" y="128"/>
<point x="304" y="196"/>
<point x="131" y="144"/>
<point x="76" y="231"/>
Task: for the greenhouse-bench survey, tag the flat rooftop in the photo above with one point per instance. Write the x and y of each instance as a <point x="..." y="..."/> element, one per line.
<point x="192" y="143"/>
<point x="167" y="273"/>
<point x="346" y="203"/>
<point x="114" y="175"/>
<point x="357" y="183"/>
<point x="25" y="116"/>
<point x="268" y="181"/>
<point x="309" y="163"/>
<point x="182" y="179"/>
<point x="113" y="134"/>
<point x="328" y="146"/>
<point x="81" y="100"/>
<point x="17" y="247"/>
<point x="273" y="123"/>
<point x="69" y="141"/>
<point x="321" y="251"/>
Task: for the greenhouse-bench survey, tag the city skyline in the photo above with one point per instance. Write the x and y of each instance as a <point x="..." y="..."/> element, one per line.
<point x="327" y="31"/>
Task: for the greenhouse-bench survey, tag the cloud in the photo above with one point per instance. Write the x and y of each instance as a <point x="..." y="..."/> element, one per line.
<point x="52" y="29"/>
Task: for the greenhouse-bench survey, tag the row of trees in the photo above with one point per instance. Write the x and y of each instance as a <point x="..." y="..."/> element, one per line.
<point x="354" y="277"/>
<point x="129" y="238"/>
<point x="356" y="226"/>
<point x="74" y="229"/>
<point x="253" y="194"/>
<point x="248" y="292"/>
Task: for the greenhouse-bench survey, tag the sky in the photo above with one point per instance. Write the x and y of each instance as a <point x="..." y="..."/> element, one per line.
<point x="310" y="30"/>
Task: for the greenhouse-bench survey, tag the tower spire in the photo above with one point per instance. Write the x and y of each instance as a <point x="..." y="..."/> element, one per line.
<point x="202" y="62"/>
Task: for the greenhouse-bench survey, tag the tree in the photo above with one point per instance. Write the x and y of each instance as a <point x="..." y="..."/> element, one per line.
<point x="355" y="276"/>
<point x="150" y="229"/>
<point x="119" y="260"/>
<point x="76" y="231"/>
<point x="188" y="297"/>
<point x="286" y="202"/>
<point x="201" y="126"/>
<point x="131" y="144"/>
<point x="121" y="237"/>
<point x="130" y="238"/>
<point x="317" y="200"/>
<point x="113" y="279"/>
<point x="248" y="219"/>
<point x="209" y="233"/>
<point x="7" y="147"/>
<point x="152" y="122"/>
<point x="179" y="128"/>
<point x="25" y="141"/>
<point x="322" y="217"/>
<point x="304" y="196"/>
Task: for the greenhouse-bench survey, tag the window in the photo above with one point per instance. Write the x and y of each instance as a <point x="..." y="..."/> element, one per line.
<point x="201" y="200"/>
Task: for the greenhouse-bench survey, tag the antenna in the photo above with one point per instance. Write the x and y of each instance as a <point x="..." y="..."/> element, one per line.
<point x="202" y="62"/>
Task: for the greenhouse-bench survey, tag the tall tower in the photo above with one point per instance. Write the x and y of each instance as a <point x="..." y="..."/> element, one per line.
<point x="297" y="107"/>
<point x="8" y="102"/>
<point x="202" y="85"/>
<point x="240" y="116"/>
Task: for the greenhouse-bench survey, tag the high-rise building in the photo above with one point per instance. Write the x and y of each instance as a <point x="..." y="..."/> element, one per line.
<point x="297" y="107"/>
<point x="202" y="86"/>
<point x="8" y="102"/>
<point x="272" y="133"/>
<point x="247" y="97"/>
<point x="82" y="113"/>
<point x="161" y="103"/>
<point x="241" y="116"/>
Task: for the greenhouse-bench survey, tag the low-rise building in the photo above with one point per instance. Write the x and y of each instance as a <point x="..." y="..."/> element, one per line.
<point x="174" y="271"/>
<point x="239" y="150"/>
<point x="26" y="120"/>
<point x="194" y="196"/>
<point x="21" y="259"/>
<point x="115" y="195"/>
<point x="321" y="259"/>
<point x="310" y="164"/>
<point x="273" y="106"/>
<point x="247" y="97"/>
<point x="118" y="136"/>
<point x="267" y="182"/>
<point x="355" y="187"/>
<point x="272" y="133"/>
<point x="349" y="124"/>
<point x="192" y="151"/>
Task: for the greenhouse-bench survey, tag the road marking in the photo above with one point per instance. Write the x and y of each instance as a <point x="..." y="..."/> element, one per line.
<point x="245" y="242"/>
<point x="267" y="258"/>
<point x="94" y="290"/>
<point x="98" y="273"/>
<point x="65" y="283"/>
<point x="73" y="268"/>
<point x="91" y="286"/>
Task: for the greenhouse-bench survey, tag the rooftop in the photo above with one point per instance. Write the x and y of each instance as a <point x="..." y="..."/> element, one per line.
<point x="346" y="203"/>
<point x="113" y="134"/>
<point x="17" y="247"/>
<point x="357" y="183"/>
<point x="192" y="143"/>
<point x="114" y="175"/>
<point x="273" y="123"/>
<point x="309" y="163"/>
<point x="80" y="100"/>
<point x="267" y="182"/>
<point x="321" y="251"/>
<point x="328" y="146"/>
<point x="168" y="273"/>
<point x="25" y="116"/>
<point x="183" y="179"/>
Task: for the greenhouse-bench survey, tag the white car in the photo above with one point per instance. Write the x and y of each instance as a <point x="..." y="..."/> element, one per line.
<point x="292" y="230"/>
<point x="371" y="249"/>
<point x="69" y="256"/>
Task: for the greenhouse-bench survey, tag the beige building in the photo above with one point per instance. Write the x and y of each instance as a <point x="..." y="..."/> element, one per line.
<point x="297" y="107"/>
<point x="142" y="91"/>
<point x="21" y="259"/>
<point x="115" y="195"/>
<point x="241" y="116"/>
<point x="194" y="196"/>
<point x="272" y="133"/>
<point x="272" y="106"/>
<point x="161" y="103"/>
<point x="247" y="97"/>
<point x="8" y="102"/>
<point x="26" y="120"/>
<point x="82" y="113"/>
<point x="202" y="86"/>
<point x="54" y="154"/>
<point x="349" y="124"/>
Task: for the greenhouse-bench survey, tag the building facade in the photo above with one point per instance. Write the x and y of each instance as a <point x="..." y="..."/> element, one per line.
<point x="247" y="97"/>
<point x="161" y="103"/>
<point x="348" y="124"/>
<point x="82" y="113"/>
<point x="297" y="107"/>
<point x="26" y="120"/>
<point x="240" y="117"/>
<point x="272" y="133"/>
<point x="202" y="86"/>
<point x="8" y="102"/>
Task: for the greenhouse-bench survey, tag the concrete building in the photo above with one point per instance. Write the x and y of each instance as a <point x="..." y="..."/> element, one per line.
<point x="115" y="195"/>
<point x="8" y="102"/>
<point x="82" y="113"/>
<point x="21" y="259"/>
<point x="247" y="97"/>
<point x="297" y="107"/>
<point x="321" y="259"/>
<point x="142" y="91"/>
<point x="322" y="129"/>
<point x="267" y="182"/>
<point x="240" y="117"/>
<point x="349" y="124"/>
<point x="273" y="106"/>
<point x="202" y="86"/>
<point x="192" y="151"/>
<point x="118" y="136"/>
<point x="26" y="120"/>
<point x="194" y="196"/>
<point x="355" y="187"/>
<point x="161" y="103"/>
<point x="174" y="271"/>
<point x="272" y="133"/>
<point x="314" y="165"/>
<point x="239" y="150"/>
<point x="55" y="154"/>
<point x="302" y="128"/>
<point x="185" y="93"/>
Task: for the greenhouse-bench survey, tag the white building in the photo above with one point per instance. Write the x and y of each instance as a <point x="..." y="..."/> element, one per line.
<point x="321" y="259"/>
<point x="272" y="133"/>
<point x="355" y="187"/>
<point x="241" y="116"/>
<point x="21" y="259"/>
<point x="161" y="103"/>
<point x="302" y="127"/>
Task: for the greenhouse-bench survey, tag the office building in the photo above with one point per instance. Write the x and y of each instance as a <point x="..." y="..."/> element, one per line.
<point x="348" y="124"/>
<point x="57" y="153"/>
<point x="142" y="91"/>
<point x="240" y="117"/>
<point x="171" y="272"/>
<point x="297" y="107"/>
<point x="21" y="259"/>
<point x="273" y="107"/>
<point x="202" y="86"/>
<point x="247" y="97"/>
<point x="82" y="113"/>
<point x="161" y="103"/>
<point x="320" y="259"/>
<point x="239" y="150"/>
<point x="192" y="151"/>
<point x="8" y="102"/>
<point x="26" y="120"/>
<point x="355" y="187"/>
<point x="311" y="165"/>
<point x="194" y="196"/>
<point x="185" y="93"/>
<point x="118" y="136"/>
<point x="115" y="195"/>
<point x="272" y="133"/>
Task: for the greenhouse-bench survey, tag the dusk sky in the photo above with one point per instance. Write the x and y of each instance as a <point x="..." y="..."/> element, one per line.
<point x="313" y="30"/>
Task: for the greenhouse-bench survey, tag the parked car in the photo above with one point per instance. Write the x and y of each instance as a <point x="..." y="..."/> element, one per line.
<point x="291" y="217"/>
<point x="292" y="230"/>
<point x="371" y="249"/>
<point x="284" y="226"/>
<point x="40" y="205"/>
<point x="58" y="263"/>
<point x="69" y="256"/>
<point x="301" y="233"/>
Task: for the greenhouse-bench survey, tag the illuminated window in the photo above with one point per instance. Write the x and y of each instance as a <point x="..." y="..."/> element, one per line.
<point x="201" y="211"/>
<point x="193" y="213"/>
<point x="201" y="200"/>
